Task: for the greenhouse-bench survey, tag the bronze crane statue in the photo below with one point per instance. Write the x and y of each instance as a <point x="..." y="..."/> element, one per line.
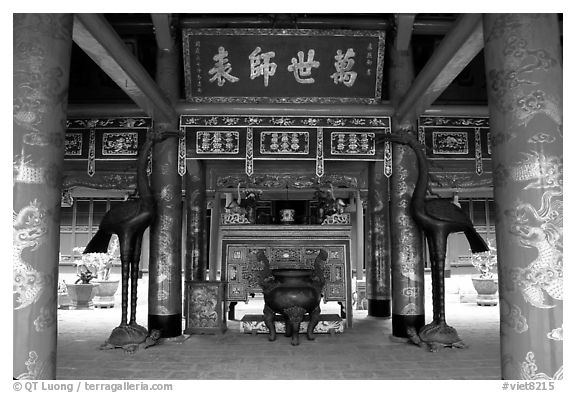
<point x="128" y="221"/>
<point x="437" y="218"/>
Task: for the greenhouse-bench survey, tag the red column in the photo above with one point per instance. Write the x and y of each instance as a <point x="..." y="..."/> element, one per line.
<point x="165" y="277"/>
<point x="42" y="45"/>
<point x="378" y="291"/>
<point x="406" y="238"/>
<point x="196" y="261"/>
<point x="524" y="79"/>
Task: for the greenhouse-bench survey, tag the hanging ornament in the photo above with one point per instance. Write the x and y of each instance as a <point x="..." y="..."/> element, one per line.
<point x="478" y="151"/>
<point x="320" y="152"/>
<point x="249" y="152"/>
<point x="182" y="154"/>
<point x="92" y="153"/>
<point x="387" y="154"/>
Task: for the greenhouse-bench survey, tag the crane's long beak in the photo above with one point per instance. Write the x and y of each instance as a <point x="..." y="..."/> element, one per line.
<point x="394" y="137"/>
<point x="163" y="135"/>
<point x="171" y="134"/>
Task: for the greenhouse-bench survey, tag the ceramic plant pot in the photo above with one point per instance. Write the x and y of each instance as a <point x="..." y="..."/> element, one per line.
<point x="81" y="296"/>
<point x="105" y="292"/>
<point x="487" y="289"/>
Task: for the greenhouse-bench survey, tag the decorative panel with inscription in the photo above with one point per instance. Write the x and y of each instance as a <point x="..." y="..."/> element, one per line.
<point x="104" y="139"/>
<point x="295" y="66"/>
<point x="217" y="142"/>
<point x="114" y="138"/>
<point x="352" y="143"/>
<point x="459" y="138"/>
<point x="257" y="137"/>
<point x="454" y="137"/>
<point x="274" y="142"/>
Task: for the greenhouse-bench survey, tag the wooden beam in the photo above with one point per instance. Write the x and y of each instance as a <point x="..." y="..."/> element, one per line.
<point x="303" y="21"/>
<point x="80" y="111"/>
<point x="98" y="39"/>
<point x="164" y="38"/>
<point x="457" y="110"/>
<point x="404" y="28"/>
<point x="463" y="42"/>
<point x="186" y="108"/>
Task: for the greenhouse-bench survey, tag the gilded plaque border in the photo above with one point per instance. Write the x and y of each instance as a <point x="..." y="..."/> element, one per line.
<point x="188" y="78"/>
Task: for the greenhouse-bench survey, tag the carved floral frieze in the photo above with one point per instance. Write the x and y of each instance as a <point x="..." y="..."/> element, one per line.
<point x="120" y="143"/>
<point x="279" y="181"/>
<point x="285" y="121"/>
<point x="73" y="144"/>
<point x="452" y="142"/>
<point x="337" y="219"/>
<point x="440" y="121"/>
<point x="233" y="218"/>
<point x="119" y="122"/>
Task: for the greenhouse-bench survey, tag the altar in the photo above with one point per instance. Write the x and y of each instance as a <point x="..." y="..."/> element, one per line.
<point x="286" y="246"/>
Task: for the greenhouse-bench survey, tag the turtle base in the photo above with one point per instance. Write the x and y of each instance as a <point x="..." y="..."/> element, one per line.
<point x="127" y="335"/>
<point x="435" y="335"/>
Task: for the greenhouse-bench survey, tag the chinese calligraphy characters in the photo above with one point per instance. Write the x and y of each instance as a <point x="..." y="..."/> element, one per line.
<point x="343" y="65"/>
<point x="246" y="65"/>
<point x="261" y="64"/>
<point x="302" y="68"/>
<point x="222" y="68"/>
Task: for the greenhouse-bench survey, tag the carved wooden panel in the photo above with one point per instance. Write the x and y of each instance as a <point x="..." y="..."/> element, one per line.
<point x="205" y="307"/>
<point x="283" y="65"/>
<point x="243" y="269"/>
<point x="260" y="137"/>
<point x="456" y="138"/>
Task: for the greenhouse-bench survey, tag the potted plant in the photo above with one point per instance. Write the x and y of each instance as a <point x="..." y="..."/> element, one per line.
<point x="82" y="291"/>
<point x="328" y="204"/>
<point x="486" y="283"/>
<point x="63" y="298"/>
<point x="101" y="264"/>
<point x="249" y="203"/>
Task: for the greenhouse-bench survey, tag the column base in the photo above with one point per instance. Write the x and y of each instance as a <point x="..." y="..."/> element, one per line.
<point x="169" y="325"/>
<point x="400" y="323"/>
<point x="379" y="308"/>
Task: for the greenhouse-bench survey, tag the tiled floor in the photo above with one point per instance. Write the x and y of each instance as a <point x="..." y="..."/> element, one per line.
<point x="363" y="352"/>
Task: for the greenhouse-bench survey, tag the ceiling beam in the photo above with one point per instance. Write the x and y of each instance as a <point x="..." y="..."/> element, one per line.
<point x="186" y="108"/>
<point x="300" y="21"/>
<point x="93" y="34"/>
<point x="462" y="43"/>
<point x="404" y="29"/>
<point x="162" y="31"/>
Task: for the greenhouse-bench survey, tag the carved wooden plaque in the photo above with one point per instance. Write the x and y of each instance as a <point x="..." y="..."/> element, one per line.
<point x="270" y="65"/>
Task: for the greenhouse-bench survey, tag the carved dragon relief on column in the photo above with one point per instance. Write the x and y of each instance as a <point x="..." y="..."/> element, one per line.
<point x="526" y="90"/>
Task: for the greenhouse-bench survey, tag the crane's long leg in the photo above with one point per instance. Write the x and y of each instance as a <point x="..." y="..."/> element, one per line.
<point x="134" y="265"/>
<point x="127" y="333"/>
<point x="438" y="332"/>
<point x="125" y="257"/>
<point x="438" y="257"/>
